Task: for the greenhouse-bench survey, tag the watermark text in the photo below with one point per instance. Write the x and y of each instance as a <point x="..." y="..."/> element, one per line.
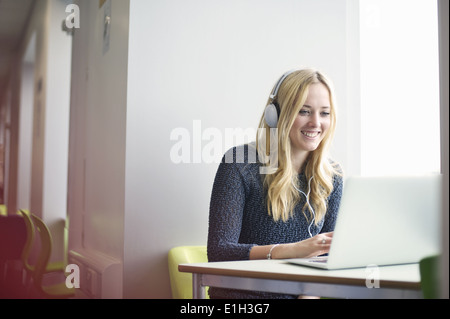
<point x="372" y="276"/>
<point x="198" y="145"/>
<point x="73" y="278"/>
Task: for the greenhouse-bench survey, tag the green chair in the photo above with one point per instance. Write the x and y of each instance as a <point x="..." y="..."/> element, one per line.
<point x="181" y="283"/>
<point x="3" y="210"/>
<point x="429" y="274"/>
<point x="51" y="267"/>
<point x="55" y="290"/>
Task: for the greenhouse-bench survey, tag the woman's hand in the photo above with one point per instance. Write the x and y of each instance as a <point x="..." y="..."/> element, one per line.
<point x="311" y="247"/>
<point x="314" y="246"/>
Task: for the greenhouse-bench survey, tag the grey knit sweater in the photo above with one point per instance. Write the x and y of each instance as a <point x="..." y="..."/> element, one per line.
<point x="238" y="218"/>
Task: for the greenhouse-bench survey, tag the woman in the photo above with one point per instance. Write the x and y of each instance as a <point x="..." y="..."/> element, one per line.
<point x="289" y="211"/>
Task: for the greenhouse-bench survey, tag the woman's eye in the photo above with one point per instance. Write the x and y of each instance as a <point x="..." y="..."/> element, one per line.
<point x="325" y="113"/>
<point x="304" y="112"/>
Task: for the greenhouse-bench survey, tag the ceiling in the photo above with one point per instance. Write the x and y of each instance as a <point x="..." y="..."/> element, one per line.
<point x="14" y="16"/>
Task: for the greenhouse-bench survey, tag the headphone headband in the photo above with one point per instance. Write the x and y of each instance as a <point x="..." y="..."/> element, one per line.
<point x="280" y="81"/>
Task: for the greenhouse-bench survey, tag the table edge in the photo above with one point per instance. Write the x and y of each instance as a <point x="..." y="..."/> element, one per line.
<point x="187" y="268"/>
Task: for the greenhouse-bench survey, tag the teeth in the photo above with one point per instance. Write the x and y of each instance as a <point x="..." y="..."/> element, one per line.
<point x="314" y="134"/>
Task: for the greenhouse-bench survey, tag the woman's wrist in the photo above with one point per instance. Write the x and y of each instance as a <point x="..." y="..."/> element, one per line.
<point x="276" y="251"/>
<point x="269" y="255"/>
<point x="283" y="251"/>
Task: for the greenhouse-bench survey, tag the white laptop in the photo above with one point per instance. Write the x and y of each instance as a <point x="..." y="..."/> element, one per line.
<point x="384" y="221"/>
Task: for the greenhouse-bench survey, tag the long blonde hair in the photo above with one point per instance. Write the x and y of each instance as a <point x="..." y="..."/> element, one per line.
<point x="282" y="196"/>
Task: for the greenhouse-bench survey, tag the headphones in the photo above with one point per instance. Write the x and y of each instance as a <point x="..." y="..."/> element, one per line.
<point x="307" y="201"/>
<point x="272" y="111"/>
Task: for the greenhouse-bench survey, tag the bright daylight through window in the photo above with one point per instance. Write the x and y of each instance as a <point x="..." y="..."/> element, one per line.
<point x="399" y="87"/>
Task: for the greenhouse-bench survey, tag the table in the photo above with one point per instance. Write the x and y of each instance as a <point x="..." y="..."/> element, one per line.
<point x="279" y="276"/>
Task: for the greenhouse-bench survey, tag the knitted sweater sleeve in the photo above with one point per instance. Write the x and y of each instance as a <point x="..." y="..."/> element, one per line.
<point x="225" y="215"/>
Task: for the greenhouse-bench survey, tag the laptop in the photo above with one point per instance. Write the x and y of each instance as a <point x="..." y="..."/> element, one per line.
<point x="384" y="221"/>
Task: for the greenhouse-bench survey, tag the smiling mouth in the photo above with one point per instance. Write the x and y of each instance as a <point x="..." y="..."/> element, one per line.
<point x="310" y="134"/>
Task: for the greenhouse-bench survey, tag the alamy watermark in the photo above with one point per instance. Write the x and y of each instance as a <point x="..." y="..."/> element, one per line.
<point x="72" y="20"/>
<point x="210" y="144"/>
<point x="372" y="276"/>
<point x="73" y="278"/>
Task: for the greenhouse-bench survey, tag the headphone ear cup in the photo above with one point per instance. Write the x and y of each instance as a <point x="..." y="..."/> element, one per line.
<point x="271" y="115"/>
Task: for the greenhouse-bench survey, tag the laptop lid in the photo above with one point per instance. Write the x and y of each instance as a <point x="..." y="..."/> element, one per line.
<point x="386" y="221"/>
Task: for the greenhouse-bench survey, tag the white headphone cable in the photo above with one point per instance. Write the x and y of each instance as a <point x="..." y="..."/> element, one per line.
<point x="307" y="201"/>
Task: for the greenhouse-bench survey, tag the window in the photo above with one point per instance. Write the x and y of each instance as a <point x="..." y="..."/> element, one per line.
<point x="399" y="87"/>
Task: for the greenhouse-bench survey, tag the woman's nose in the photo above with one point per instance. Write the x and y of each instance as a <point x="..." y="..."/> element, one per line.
<point x="315" y="120"/>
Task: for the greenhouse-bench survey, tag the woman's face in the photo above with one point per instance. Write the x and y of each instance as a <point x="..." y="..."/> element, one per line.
<point x="313" y="120"/>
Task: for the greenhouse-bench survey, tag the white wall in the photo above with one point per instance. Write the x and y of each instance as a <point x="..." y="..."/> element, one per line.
<point x="26" y="124"/>
<point x="391" y="114"/>
<point x="56" y="123"/>
<point x="58" y="75"/>
<point x="25" y="135"/>
<point x="97" y="132"/>
<point x="213" y="61"/>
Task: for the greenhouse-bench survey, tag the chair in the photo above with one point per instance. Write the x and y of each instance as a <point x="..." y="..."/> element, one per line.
<point x="429" y="277"/>
<point x="57" y="266"/>
<point x="42" y="265"/>
<point x="181" y="283"/>
<point x="3" y="210"/>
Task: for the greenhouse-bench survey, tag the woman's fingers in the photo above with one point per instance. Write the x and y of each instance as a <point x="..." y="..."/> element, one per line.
<point x="329" y="234"/>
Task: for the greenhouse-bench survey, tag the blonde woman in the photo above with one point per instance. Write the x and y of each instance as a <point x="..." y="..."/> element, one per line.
<point x="289" y="211"/>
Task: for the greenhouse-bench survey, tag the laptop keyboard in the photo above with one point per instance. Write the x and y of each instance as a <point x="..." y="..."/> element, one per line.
<point x="321" y="260"/>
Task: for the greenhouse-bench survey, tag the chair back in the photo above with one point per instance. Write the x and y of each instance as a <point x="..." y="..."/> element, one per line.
<point x="45" y="249"/>
<point x="3" y="210"/>
<point x="41" y="244"/>
<point x="429" y="276"/>
<point x="181" y="283"/>
<point x="30" y="239"/>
